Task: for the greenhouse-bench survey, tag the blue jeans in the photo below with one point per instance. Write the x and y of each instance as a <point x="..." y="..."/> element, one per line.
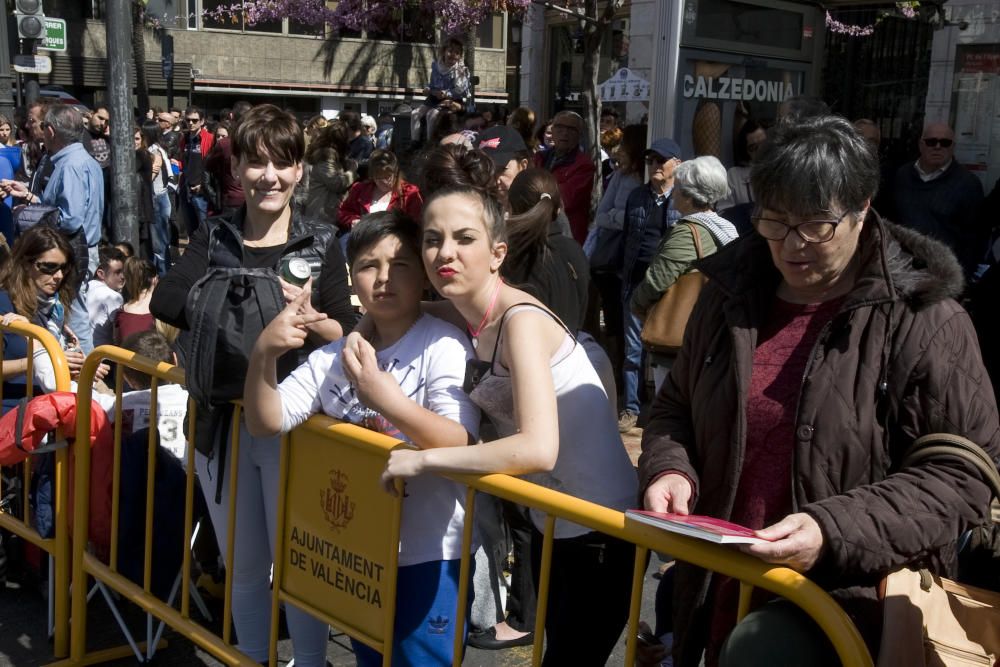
<point x="160" y="232"/>
<point x="195" y="209"/>
<point x="78" y="319"/>
<point x="632" y="367"/>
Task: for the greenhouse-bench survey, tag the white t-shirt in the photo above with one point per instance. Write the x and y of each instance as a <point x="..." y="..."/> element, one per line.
<point x="171" y="411"/>
<point x="102" y="301"/>
<point x="428" y="362"/>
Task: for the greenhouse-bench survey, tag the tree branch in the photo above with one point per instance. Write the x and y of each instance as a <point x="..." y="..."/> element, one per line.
<point x="577" y="15"/>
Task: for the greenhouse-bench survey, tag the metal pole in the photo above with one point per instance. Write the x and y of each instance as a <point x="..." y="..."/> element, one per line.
<point x="663" y="81"/>
<point x="6" y="99"/>
<point x="124" y="196"/>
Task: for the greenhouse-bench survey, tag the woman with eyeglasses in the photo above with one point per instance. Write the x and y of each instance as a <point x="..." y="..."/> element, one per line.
<point x="36" y="287"/>
<point x="819" y="349"/>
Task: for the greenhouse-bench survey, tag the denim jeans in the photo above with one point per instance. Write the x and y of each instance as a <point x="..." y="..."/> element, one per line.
<point x="195" y="209"/>
<point x="632" y="367"/>
<point x="78" y="319"/>
<point x="161" y="232"/>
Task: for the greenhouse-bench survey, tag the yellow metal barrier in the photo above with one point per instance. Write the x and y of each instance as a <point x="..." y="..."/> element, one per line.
<point x="329" y="445"/>
<point x="58" y="546"/>
<point x="345" y="441"/>
<point x="85" y="564"/>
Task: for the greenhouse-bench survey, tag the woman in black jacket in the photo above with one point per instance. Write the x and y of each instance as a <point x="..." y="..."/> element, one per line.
<point x="268" y="149"/>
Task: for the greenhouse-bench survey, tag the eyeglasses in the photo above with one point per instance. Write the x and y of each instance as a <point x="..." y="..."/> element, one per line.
<point x="51" y="268"/>
<point x="934" y="142"/>
<point x="810" y="231"/>
<point x="164" y="121"/>
<point x="193" y="121"/>
<point x="656" y="158"/>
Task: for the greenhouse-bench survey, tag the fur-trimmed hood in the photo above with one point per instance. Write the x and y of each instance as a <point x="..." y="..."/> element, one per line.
<point x="897" y="263"/>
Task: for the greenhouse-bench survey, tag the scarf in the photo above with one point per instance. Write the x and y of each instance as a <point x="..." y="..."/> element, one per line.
<point x="721" y="229"/>
<point x="51" y="315"/>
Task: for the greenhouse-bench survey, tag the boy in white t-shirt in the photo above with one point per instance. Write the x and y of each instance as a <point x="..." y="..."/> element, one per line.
<point x="104" y="293"/>
<point x="171" y="399"/>
<point x="406" y="383"/>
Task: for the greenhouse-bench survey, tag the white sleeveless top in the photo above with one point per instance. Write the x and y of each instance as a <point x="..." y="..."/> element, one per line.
<point x="592" y="463"/>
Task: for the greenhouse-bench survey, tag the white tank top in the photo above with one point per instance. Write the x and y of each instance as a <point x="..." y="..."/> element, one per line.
<point x="592" y="463"/>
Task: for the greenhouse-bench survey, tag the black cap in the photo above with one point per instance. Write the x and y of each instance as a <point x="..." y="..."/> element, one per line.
<point x="501" y="143"/>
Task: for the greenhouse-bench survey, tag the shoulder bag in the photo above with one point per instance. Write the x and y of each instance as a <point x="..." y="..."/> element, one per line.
<point x="663" y="330"/>
<point x="931" y="620"/>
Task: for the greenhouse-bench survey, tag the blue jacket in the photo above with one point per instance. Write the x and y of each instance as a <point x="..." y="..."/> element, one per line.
<point x="644" y="226"/>
<point x="77" y="188"/>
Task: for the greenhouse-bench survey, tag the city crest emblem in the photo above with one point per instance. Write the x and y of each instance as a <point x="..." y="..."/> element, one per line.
<point x="338" y="508"/>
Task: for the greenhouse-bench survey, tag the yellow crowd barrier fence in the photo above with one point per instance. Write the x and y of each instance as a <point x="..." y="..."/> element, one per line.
<point x="57" y="546"/>
<point x="338" y="532"/>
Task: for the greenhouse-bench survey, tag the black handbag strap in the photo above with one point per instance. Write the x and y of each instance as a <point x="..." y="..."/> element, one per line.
<point x="948" y="444"/>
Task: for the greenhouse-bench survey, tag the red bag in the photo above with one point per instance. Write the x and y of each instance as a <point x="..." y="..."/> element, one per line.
<point x="43" y="415"/>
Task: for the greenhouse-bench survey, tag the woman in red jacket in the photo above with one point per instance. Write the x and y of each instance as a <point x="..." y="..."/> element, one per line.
<point x="382" y="190"/>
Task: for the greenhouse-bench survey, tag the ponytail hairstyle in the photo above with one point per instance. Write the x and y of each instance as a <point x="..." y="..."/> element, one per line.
<point x="534" y="204"/>
<point x="140" y="275"/>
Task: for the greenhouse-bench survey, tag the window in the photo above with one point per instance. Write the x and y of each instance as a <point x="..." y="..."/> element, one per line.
<point x="413" y="24"/>
<point x="216" y="14"/>
<point x="490" y="33"/>
<point x="94" y="9"/>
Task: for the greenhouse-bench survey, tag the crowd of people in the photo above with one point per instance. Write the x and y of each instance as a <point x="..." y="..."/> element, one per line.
<point x="499" y="332"/>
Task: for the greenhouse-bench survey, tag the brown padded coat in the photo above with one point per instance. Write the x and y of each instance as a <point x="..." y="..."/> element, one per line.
<point x="899" y="360"/>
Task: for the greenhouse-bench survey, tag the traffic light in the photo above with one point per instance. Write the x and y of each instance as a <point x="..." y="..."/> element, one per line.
<point x="30" y="19"/>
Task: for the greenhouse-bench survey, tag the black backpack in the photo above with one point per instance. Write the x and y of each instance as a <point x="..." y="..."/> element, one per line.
<point x="226" y="310"/>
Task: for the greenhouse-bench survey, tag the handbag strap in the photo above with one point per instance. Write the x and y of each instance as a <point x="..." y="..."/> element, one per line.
<point x="697" y="239"/>
<point x="948" y="444"/>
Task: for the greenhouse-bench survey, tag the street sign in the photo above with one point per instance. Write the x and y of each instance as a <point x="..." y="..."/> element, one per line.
<point x="32" y="64"/>
<point x="55" y="35"/>
<point x="624" y="86"/>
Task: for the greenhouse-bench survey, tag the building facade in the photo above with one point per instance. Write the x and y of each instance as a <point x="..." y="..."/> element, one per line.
<point x="308" y="70"/>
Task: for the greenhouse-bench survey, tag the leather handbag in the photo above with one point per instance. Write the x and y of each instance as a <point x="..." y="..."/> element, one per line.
<point x="663" y="330"/>
<point x="931" y="620"/>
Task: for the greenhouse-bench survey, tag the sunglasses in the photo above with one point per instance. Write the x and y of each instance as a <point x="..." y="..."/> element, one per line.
<point x="51" y="268"/>
<point x="656" y="159"/>
<point x="934" y="142"/>
<point x="193" y="121"/>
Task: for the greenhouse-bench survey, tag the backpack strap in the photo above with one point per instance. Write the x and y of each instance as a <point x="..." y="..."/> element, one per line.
<point x="204" y="336"/>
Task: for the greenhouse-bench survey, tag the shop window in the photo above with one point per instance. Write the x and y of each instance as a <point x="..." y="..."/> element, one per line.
<point x="975" y="99"/>
<point x="748" y="23"/>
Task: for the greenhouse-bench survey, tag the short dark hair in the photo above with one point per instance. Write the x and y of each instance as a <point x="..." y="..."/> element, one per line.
<point x="152" y="345"/>
<point x="352" y="119"/>
<point x="98" y="107"/>
<point x="108" y="254"/>
<point x="374" y="227"/>
<point x="808" y="165"/>
<point x="194" y="109"/>
<point x="609" y="111"/>
<point x="268" y="129"/>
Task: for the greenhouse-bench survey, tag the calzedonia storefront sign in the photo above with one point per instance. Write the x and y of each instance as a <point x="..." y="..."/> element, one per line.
<point x="729" y="88"/>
